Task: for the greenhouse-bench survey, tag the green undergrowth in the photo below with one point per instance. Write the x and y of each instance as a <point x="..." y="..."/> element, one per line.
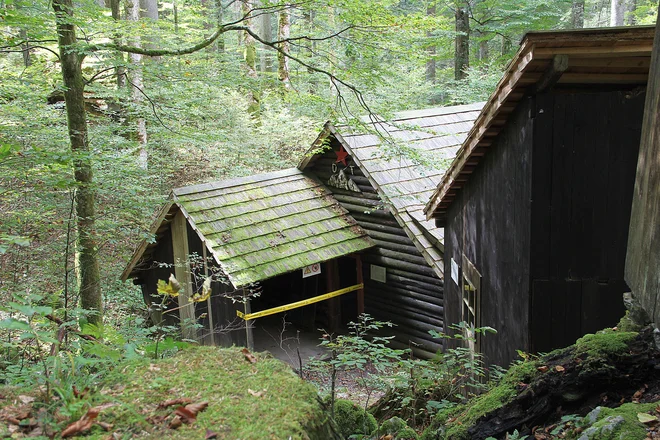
<point x="454" y="423"/>
<point x="604" y="343"/>
<point x="249" y="396"/>
<point x="246" y="400"/>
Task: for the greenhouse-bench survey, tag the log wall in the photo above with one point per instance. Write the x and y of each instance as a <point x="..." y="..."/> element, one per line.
<point x="412" y="296"/>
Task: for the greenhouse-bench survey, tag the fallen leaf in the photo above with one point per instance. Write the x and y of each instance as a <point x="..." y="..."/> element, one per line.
<point x="261" y="393"/>
<point x="249" y="356"/>
<point x="646" y="418"/>
<point x="106" y="426"/>
<point x="542" y="369"/>
<point x="210" y="434"/>
<point x="172" y="402"/>
<point x="152" y="367"/>
<point x="196" y="408"/>
<point x="26" y="400"/>
<point x="186" y="415"/>
<point x="559" y="368"/>
<point x="175" y="423"/>
<point x="83" y="424"/>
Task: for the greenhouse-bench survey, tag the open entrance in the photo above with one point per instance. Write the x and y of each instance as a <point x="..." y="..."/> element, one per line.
<point x="295" y="332"/>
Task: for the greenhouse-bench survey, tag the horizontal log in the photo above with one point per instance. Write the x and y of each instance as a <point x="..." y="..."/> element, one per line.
<point x="417" y="286"/>
<point x="390" y="222"/>
<point x="399" y="298"/>
<point x="367" y="195"/>
<point x="357" y="200"/>
<point x="396" y="247"/>
<point x="433" y="279"/>
<point x="401" y="266"/>
<point x="350" y="207"/>
<point x="413" y="282"/>
<point x="432" y="297"/>
<point x="425" y="341"/>
<point x="397" y="308"/>
<point x="393" y="230"/>
<point x="384" y="236"/>
<point x="415" y="259"/>
<point x="404" y="323"/>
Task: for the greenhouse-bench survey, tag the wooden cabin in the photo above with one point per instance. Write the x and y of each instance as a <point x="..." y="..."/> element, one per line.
<point x="266" y="240"/>
<point x="353" y="208"/>
<point x="383" y="177"/>
<point x="537" y="203"/>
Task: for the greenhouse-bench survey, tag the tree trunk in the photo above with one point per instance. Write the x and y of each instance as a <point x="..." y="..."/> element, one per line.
<point x="431" y="49"/>
<point x="642" y="271"/>
<point x="149" y="9"/>
<point x="120" y="70"/>
<point x="219" y="17"/>
<point x="462" y="54"/>
<point x="136" y="90"/>
<point x="250" y="57"/>
<point x="90" y="287"/>
<point x="631" y="7"/>
<point x="483" y="52"/>
<point x="283" y="33"/>
<point x="617" y="9"/>
<point x="25" y="47"/>
<point x="577" y="14"/>
<point x="266" y="32"/>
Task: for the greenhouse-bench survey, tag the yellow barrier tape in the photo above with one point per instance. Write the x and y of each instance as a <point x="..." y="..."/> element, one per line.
<point x="297" y="304"/>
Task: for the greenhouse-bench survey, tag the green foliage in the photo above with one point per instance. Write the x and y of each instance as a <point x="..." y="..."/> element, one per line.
<point x="606" y="343"/>
<point x="398" y="429"/>
<point x="351" y="419"/>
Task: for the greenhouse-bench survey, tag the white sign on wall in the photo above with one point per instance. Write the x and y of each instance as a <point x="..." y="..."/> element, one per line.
<point x="311" y="270"/>
<point x="454" y="271"/>
<point x="378" y="273"/>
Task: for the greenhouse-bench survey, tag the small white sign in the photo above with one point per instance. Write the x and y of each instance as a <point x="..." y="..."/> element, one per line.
<point x="454" y="271"/>
<point x="311" y="270"/>
<point x="378" y="273"/>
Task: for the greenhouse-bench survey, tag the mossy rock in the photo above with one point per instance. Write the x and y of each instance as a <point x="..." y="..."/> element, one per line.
<point x="606" y="343"/>
<point x="398" y="428"/>
<point x="351" y="419"/>
<point x="620" y="423"/>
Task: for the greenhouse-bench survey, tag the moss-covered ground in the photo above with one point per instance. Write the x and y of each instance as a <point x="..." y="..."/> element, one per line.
<point x="246" y="400"/>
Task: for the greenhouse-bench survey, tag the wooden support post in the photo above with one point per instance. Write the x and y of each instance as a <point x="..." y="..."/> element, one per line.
<point x="182" y="273"/>
<point x="552" y="74"/>
<point x="249" y="341"/>
<point x="211" y="337"/>
<point x="334" y="304"/>
<point x="360" y="280"/>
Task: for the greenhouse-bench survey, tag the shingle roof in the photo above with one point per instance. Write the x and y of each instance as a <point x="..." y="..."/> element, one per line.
<point x="396" y="175"/>
<point x="261" y="226"/>
<point x="591" y="57"/>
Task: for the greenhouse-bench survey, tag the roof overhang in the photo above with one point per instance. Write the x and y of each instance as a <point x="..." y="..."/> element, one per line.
<point x="595" y="58"/>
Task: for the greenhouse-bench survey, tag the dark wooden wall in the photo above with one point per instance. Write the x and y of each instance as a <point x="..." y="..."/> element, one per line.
<point x="489" y="223"/>
<point x="643" y="253"/>
<point x="585" y="154"/>
<point x="412" y="297"/>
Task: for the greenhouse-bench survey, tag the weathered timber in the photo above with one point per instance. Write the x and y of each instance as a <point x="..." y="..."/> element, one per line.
<point x="402" y="280"/>
<point x="415" y="293"/>
<point x="403" y="266"/>
<point x="425" y="293"/>
<point x="423" y="278"/>
<point x="366" y="210"/>
<point x="585" y="381"/>
<point x="396" y="306"/>
<point x="402" y="249"/>
<point x="384" y="236"/>
<point x="358" y="200"/>
<point x="409" y="258"/>
<point x="643" y="242"/>
<point x="399" y="297"/>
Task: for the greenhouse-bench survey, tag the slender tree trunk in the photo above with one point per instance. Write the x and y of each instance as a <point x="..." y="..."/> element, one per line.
<point x="431" y="49"/>
<point x="137" y="87"/>
<point x="25" y="47"/>
<point x="283" y="33"/>
<point x="483" y="51"/>
<point x="631" y="7"/>
<point x="506" y="45"/>
<point x="149" y="9"/>
<point x="577" y="14"/>
<point x="462" y="54"/>
<point x="266" y="31"/>
<point x="219" y="17"/>
<point x="90" y="286"/>
<point x="120" y="69"/>
<point x="617" y="9"/>
<point x="250" y="57"/>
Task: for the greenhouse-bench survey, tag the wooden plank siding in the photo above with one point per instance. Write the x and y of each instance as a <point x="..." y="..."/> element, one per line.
<point x="412" y="297"/>
<point x="489" y="223"/>
<point x="585" y="152"/>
